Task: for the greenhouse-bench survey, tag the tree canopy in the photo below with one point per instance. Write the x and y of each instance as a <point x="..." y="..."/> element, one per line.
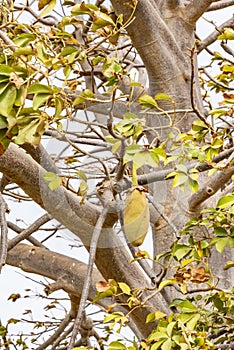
<point x="109" y="131"/>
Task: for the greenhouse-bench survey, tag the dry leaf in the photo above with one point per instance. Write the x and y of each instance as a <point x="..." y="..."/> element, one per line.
<point x="15" y="79"/>
<point x="102" y="286"/>
<point x="199" y="274"/>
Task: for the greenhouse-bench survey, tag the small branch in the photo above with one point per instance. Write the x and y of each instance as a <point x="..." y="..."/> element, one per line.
<point x="28" y="231"/>
<point x="32" y="240"/>
<point x="201" y="167"/>
<point x="220" y="5"/>
<point x="86" y="286"/>
<point x="216" y="81"/>
<point x="65" y="322"/>
<point x="195" y="9"/>
<point x="225" y="346"/>
<point x="4" y="232"/>
<point x="193" y="103"/>
<point x="213" y="36"/>
<point x="210" y="188"/>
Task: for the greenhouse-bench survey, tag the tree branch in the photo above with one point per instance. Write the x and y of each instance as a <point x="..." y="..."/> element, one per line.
<point x="32" y="240"/>
<point x="112" y="259"/>
<point x="87" y="281"/>
<point x="29" y="230"/>
<point x="69" y="271"/>
<point x="213" y="36"/>
<point x="220" y="5"/>
<point x="215" y="182"/>
<point x="195" y="9"/>
<point x="4" y="232"/>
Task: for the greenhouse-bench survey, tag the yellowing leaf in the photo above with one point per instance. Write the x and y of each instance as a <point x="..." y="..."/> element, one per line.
<point x="125" y="288"/>
<point x="7" y="99"/>
<point x="53" y="179"/>
<point x="147" y="101"/>
<point x="136" y="216"/>
<point x="50" y="6"/>
<point x="101" y="20"/>
<point x="154" y="316"/>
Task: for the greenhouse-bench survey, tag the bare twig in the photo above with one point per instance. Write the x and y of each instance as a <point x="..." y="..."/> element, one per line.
<point x="28" y="231"/>
<point x="4" y="232"/>
<point x="193" y="103"/>
<point x="32" y="240"/>
<point x="85" y="291"/>
<point x="65" y="322"/>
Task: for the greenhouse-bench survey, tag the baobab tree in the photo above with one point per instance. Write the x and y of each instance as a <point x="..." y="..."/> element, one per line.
<point x="139" y="153"/>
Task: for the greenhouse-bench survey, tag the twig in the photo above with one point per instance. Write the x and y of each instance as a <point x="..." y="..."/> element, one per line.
<point x="65" y="322"/>
<point x="194" y="106"/>
<point x="226" y="87"/>
<point x="4" y="232"/>
<point x="85" y="291"/>
<point x="28" y="231"/>
<point x="32" y="240"/>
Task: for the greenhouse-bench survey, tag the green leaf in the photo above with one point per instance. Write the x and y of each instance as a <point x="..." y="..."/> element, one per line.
<point x="170" y="328"/>
<point x="83" y="9"/>
<point x="228" y="34"/>
<point x="225" y="202"/>
<point x="221" y="244"/>
<point x="53" y="179"/>
<point x="3" y="122"/>
<point x="101" y="20"/>
<point x="7" y="99"/>
<point x="147" y="101"/>
<point x="187" y="307"/>
<point x="40" y="89"/>
<point x="162" y="96"/>
<point x="181" y="250"/>
<point x="229" y="265"/>
<point x="191" y="324"/>
<point x="125" y="288"/>
<point x="167" y="345"/>
<point x="26" y="51"/>
<point x="48" y="8"/>
<point x="166" y="283"/>
<point x="115" y="345"/>
<point x="5" y="70"/>
<point x="154" y="316"/>
<point x="39" y="100"/>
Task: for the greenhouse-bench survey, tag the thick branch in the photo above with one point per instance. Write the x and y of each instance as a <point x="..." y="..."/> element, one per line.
<point x="216" y="182"/>
<point x="55" y="266"/>
<point x="112" y="258"/>
<point x="213" y="36"/>
<point x="196" y="8"/>
<point x="221" y="5"/>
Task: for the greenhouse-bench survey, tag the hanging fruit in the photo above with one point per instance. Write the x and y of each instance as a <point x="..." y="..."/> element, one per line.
<point x="136" y="216"/>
